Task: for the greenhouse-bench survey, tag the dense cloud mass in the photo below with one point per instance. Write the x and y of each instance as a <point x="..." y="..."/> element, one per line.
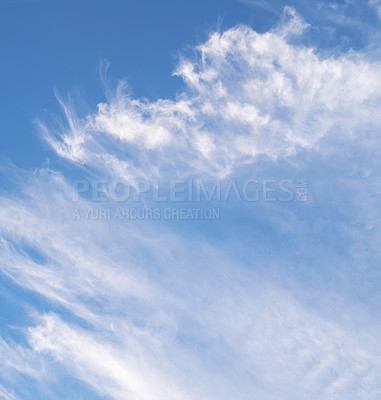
<point x="144" y="311"/>
<point x="247" y="94"/>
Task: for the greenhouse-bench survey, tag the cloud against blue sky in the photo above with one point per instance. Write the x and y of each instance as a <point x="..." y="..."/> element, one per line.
<point x="278" y="297"/>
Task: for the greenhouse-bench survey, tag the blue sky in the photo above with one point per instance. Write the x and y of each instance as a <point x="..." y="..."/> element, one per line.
<point x="123" y="124"/>
<point x="47" y="45"/>
<point x="62" y="44"/>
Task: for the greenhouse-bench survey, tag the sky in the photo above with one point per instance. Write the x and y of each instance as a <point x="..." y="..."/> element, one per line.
<point x="189" y="199"/>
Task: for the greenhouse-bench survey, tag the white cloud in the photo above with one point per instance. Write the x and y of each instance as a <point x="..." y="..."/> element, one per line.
<point x="247" y="94"/>
<point x="169" y="317"/>
<point x="147" y="347"/>
<point x="116" y="372"/>
<point x="5" y="395"/>
<point x="165" y="317"/>
<point x="377" y="5"/>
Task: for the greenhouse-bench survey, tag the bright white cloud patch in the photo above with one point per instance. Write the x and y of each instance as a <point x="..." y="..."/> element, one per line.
<point x="142" y="312"/>
<point x="248" y="94"/>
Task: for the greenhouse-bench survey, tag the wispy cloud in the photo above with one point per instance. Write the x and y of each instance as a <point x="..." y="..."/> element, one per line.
<point x="287" y="98"/>
<point x="142" y="309"/>
<point x="5" y="395"/>
<point x="377" y="5"/>
<point x="193" y="309"/>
